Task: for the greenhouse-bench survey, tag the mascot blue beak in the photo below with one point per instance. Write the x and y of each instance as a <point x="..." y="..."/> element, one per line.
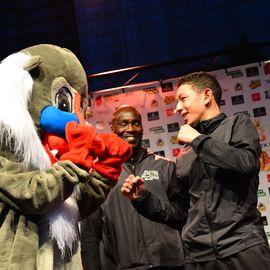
<point x="54" y="121"/>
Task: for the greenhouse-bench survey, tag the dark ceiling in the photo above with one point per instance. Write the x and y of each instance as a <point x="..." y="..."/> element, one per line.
<point x="150" y="39"/>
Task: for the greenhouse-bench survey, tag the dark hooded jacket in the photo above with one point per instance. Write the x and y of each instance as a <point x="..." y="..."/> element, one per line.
<point x="215" y="199"/>
<point x="130" y="241"/>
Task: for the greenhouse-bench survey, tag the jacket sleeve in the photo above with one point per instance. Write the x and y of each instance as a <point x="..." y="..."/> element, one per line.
<point x="93" y="193"/>
<point x="240" y="155"/>
<point x="35" y="192"/>
<point x="93" y="251"/>
<point x="172" y="212"/>
<point x="91" y="234"/>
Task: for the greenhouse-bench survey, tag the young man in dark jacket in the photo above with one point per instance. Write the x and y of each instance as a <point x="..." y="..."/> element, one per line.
<point x="128" y="240"/>
<point x="214" y="202"/>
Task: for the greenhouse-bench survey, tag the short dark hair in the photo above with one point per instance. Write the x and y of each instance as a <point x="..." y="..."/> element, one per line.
<point x="125" y="108"/>
<point x="201" y="80"/>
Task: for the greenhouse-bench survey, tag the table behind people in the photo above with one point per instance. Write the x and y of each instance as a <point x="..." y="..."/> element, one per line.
<point x="130" y="241"/>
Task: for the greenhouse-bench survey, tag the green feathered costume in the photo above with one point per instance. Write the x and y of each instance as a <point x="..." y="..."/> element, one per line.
<point x="41" y="200"/>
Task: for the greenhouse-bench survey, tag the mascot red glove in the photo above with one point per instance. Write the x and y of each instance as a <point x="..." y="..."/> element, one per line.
<point x="105" y="152"/>
<point x="116" y="152"/>
<point x="84" y="145"/>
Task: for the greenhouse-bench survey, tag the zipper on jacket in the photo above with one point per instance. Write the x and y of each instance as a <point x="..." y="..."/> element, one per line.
<point x="133" y="167"/>
<point x="213" y="242"/>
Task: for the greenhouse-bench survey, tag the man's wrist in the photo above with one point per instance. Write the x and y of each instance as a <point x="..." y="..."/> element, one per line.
<point x="142" y="197"/>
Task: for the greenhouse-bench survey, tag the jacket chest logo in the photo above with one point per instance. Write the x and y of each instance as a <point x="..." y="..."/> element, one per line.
<point x="149" y="175"/>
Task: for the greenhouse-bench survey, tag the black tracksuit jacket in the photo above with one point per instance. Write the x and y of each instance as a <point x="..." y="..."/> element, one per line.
<point x="214" y="200"/>
<point x="129" y="240"/>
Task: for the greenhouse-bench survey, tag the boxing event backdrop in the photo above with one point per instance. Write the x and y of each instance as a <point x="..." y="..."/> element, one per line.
<point x="245" y="89"/>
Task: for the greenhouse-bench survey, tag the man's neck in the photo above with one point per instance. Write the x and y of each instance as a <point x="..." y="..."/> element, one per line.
<point x="211" y="113"/>
<point x="135" y="153"/>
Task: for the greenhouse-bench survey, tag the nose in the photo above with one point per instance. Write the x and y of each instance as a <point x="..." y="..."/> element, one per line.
<point x="130" y="127"/>
<point x="178" y="108"/>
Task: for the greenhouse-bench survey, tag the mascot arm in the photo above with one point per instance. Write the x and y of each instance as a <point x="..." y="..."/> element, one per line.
<point x="85" y="146"/>
<point x="93" y="193"/>
<point x="36" y="192"/>
<point x="116" y="152"/>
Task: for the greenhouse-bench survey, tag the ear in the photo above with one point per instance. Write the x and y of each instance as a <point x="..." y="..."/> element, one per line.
<point x="32" y="63"/>
<point x="208" y="96"/>
<point x="110" y="124"/>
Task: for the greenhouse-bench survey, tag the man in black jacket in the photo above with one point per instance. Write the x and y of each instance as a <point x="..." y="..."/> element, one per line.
<point x="214" y="202"/>
<point x="124" y="238"/>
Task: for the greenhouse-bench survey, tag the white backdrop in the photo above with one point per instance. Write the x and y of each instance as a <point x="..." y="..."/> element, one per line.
<point x="245" y="89"/>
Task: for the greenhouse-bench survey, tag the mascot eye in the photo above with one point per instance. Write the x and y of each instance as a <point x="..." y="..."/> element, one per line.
<point x="35" y="72"/>
<point x="63" y="100"/>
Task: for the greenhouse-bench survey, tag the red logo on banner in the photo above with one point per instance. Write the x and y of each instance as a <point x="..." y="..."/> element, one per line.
<point x="256" y="97"/>
<point x="170" y="112"/>
<point x="99" y="100"/>
<point x="175" y="152"/>
<point x="268" y="177"/>
<point x="266" y="68"/>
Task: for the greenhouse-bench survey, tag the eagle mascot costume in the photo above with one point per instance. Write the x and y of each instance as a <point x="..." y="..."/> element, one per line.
<point x="55" y="170"/>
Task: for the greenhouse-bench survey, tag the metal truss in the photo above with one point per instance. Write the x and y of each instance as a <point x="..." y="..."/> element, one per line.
<point x="177" y="68"/>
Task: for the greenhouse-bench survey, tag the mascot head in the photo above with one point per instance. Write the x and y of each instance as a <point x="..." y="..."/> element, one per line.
<point x="58" y="79"/>
<point x="45" y="85"/>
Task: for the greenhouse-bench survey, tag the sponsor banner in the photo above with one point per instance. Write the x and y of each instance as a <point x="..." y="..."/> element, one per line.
<point x="245" y="89"/>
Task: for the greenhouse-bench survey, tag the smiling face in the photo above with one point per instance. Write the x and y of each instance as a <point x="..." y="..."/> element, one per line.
<point x="198" y="97"/>
<point x="191" y="104"/>
<point x="127" y="124"/>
